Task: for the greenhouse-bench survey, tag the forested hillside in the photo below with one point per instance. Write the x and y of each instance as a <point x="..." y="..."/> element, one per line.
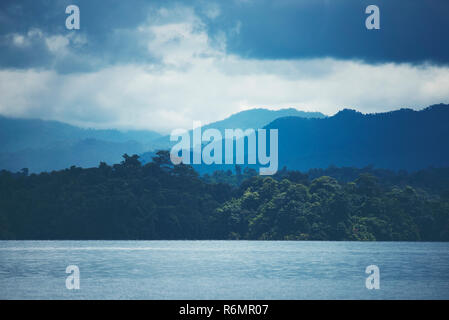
<point x="402" y="139"/>
<point x="161" y="201"/>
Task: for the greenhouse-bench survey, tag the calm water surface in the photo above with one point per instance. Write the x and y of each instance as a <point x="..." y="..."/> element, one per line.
<point x="223" y="270"/>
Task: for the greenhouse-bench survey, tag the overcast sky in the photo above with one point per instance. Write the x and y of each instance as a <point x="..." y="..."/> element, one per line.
<point x="162" y="64"/>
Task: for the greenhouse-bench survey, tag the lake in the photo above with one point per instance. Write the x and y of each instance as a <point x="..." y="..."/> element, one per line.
<point x="223" y="269"/>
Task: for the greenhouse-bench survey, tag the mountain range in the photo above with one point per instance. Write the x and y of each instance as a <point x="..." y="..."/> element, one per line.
<point x="401" y="139"/>
<point x="41" y="145"/>
<point x="398" y="140"/>
<point x="255" y="118"/>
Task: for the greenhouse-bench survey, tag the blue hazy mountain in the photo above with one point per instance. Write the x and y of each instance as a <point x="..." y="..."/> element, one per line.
<point x="402" y="139"/>
<point x="258" y="118"/>
<point x="254" y="118"/>
<point x="50" y="145"/>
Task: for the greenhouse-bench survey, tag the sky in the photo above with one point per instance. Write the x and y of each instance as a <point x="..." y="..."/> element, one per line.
<point x="161" y="65"/>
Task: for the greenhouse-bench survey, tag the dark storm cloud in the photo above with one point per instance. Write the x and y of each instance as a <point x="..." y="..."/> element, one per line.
<point x="161" y="65"/>
<point x="412" y="31"/>
<point x="105" y="28"/>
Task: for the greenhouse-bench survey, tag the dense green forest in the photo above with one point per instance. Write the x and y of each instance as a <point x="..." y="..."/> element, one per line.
<point x="161" y="201"/>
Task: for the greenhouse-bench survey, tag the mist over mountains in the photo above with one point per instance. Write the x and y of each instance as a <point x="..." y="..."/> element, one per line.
<point x="248" y="119"/>
<point x="41" y="145"/>
<point x="402" y="139"/>
<point x="398" y="140"/>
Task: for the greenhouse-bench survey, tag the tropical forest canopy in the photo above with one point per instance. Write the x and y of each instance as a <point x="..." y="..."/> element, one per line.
<point x="161" y="201"/>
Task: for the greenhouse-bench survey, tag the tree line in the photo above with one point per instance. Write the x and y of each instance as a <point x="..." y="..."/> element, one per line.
<point x="161" y="201"/>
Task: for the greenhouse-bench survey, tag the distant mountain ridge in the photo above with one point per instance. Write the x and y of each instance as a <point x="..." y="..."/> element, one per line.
<point x="259" y="117"/>
<point x="402" y="139"/>
<point x="254" y="118"/>
<point x="42" y="145"/>
<point x="17" y="134"/>
<point x="398" y="140"/>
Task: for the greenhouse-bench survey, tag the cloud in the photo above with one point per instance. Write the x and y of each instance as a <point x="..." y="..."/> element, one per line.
<point x="18" y="40"/>
<point x="24" y="40"/>
<point x="263" y="29"/>
<point x="57" y="44"/>
<point x="189" y="75"/>
<point x="135" y="96"/>
<point x="64" y="52"/>
<point x="211" y="10"/>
